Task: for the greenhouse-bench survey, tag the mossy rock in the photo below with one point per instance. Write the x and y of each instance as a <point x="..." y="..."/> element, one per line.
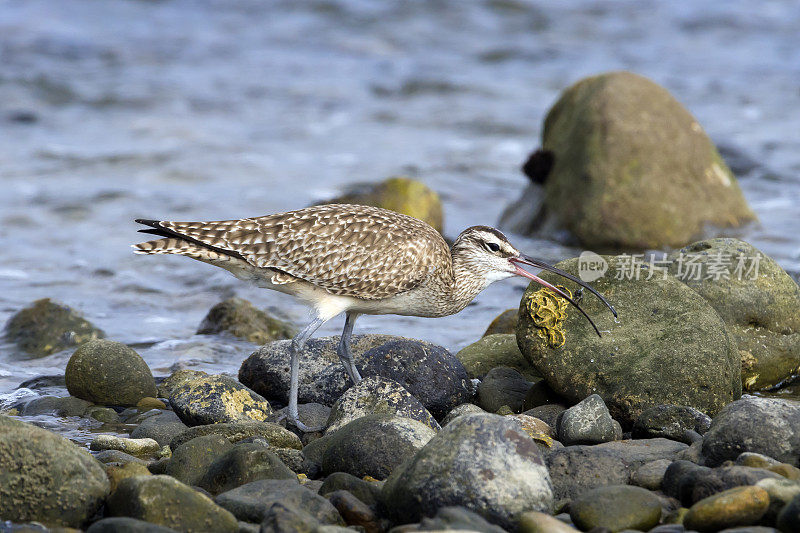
<point x="631" y="167"/>
<point x="668" y="347"/>
<point x="505" y="322"/>
<point x="276" y="435"/>
<point x="496" y="350"/>
<point x="757" y="299"/>
<point x="238" y="317"/>
<point x="214" y="399"/>
<point x="47" y="327"/>
<point x="109" y="373"/>
<point x="400" y="194"/>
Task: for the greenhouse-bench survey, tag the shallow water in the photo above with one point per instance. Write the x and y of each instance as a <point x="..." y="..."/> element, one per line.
<point x="211" y="110"/>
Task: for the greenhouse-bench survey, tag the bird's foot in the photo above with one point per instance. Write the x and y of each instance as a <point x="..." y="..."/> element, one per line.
<point x="304" y="428"/>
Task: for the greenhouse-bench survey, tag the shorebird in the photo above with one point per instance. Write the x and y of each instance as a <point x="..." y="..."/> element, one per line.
<point x="355" y="260"/>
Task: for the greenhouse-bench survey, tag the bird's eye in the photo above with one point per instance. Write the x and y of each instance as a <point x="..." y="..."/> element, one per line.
<point x="492" y="247"/>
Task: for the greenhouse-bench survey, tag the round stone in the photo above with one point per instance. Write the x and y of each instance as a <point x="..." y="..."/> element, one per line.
<point x="740" y="506"/>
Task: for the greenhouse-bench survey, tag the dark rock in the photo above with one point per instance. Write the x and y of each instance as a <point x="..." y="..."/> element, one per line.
<point x="190" y="461"/>
<point x="756" y="299"/>
<point x="496" y="350"/>
<point x="53" y="405"/>
<point x="313" y="452"/>
<point x="293" y="459"/>
<point x="44" y="477"/>
<point x="166" y="501"/>
<point x="374" y="445"/>
<point x="215" y="399"/>
<point x="252" y="502"/>
<point x="740" y="506"/>
<point x="109" y="373"/>
<point x="690" y="483"/>
<point x="238" y="317"/>
<point x="457" y="519"/>
<point x="43" y="382"/>
<point x="632" y="190"/>
<point x="367" y="492"/>
<point x="283" y="518"/>
<point x="650" y="475"/>
<point x="668" y="347"/>
<point x="587" y="422"/>
<point x="504" y="323"/>
<point x="47" y="327"/>
<point x="236" y="431"/>
<point x="242" y="464"/>
<point x="547" y="413"/>
<point x="483" y="462"/>
<point x="106" y="415"/>
<point x="616" y="507"/>
<point x="676" y="422"/>
<point x="763" y="425"/>
<point x="117" y="457"/>
<point x="429" y="372"/>
<point x="376" y="395"/>
<point x="311" y="414"/>
<point x="541" y="395"/>
<point x="503" y="386"/>
<point x="126" y="525"/>
<point x="789" y="518"/>
<point x="463" y="409"/>
<point x="578" y="469"/>
<point x="176" y="379"/>
<point x="162" y="428"/>
<point x="354" y="511"/>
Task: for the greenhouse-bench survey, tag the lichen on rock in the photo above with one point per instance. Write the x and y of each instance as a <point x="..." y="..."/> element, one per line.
<point x="548" y="311"/>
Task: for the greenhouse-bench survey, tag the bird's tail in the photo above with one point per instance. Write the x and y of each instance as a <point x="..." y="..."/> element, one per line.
<point x="169" y="245"/>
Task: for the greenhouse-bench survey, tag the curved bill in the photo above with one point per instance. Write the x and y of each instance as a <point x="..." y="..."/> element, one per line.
<point x="526" y="260"/>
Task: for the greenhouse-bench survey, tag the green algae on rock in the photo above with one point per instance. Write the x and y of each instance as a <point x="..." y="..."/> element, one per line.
<point x="757" y="299"/>
<point x="47" y="327"/>
<point x="669" y="346"/>
<point x="631" y="167"/>
<point x="238" y="317"/>
<point x="491" y="351"/>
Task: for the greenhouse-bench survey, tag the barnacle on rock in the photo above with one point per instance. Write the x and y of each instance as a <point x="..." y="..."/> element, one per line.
<point x="548" y="312"/>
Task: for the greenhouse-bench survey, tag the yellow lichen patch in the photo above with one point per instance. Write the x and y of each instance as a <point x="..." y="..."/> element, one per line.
<point x="548" y="312"/>
<point x="239" y="402"/>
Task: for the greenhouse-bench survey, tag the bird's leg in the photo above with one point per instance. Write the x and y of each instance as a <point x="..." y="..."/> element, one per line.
<point x="345" y="353"/>
<point x="298" y="342"/>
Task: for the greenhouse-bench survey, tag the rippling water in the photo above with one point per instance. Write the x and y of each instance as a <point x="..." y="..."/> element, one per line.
<point x="216" y="109"/>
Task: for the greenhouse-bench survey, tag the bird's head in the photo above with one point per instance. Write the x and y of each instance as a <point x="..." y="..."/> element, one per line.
<point x="488" y="254"/>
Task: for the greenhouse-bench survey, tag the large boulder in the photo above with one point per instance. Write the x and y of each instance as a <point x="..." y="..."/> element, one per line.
<point x="215" y="399"/>
<point x="491" y="351"/>
<point x="625" y="164"/>
<point x="47" y="327"/>
<point x="669" y="345"/>
<point x="190" y="461"/>
<point x="763" y="425"/>
<point x="483" y="462"/>
<point x="757" y="299"/>
<point x="238" y="317"/>
<point x="109" y="373"/>
<point x="46" y="478"/>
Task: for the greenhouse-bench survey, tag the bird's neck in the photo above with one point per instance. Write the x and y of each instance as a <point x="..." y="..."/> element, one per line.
<point x="464" y="284"/>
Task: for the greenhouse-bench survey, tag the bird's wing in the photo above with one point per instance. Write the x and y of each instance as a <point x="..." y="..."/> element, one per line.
<point x="352" y="250"/>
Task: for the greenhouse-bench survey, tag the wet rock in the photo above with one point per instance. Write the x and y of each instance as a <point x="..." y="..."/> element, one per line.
<point x="374" y="445"/>
<point x="108" y="373"/>
<point x="252" y="502"/>
<point x="650" y="475"/>
<point x="740" y="506"/>
<point x="429" y="372"/>
<point x="623" y="192"/>
<point x="47" y="327"/>
<point x="676" y="422"/>
<point x="126" y="525"/>
<point x="690" y="483"/>
<point x="755" y="297"/>
<point x="463" y="409"/>
<point x="536" y="522"/>
<point x="190" y="461"/>
<point x="162" y="428"/>
<point x="375" y="395"/>
<point x="215" y="399"/>
<point x="496" y="350"/>
<point x="762" y="425"/>
<point x="135" y="447"/>
<point x="668" y="347"/>
<point x="105" y="415"/>
<point x="577" y="469"/>
<point x="167" y="502"/>
<point x="176" y="379"/>
<point x="400" y="194"/>
<point x="504" y="323"/>
<point x="781" y="492"/>
<point x="367" y="492"/>
<point x="53" y="405"/>
<point x="354" y="511"/>
<point x="238" y="317"/>
<point x="482" y="462"/>
<point x="117" y="473"/>
<point x="547" y="413"/>
<point x="322" y="377"/>
<point x="46" y="478"/>
<point x="789" y="518"/>
<point x="148" y="403"/>
<point x="503" y="386"/>
<point x="243" y="463"/>
<point x="616" y="507"/>
<point x="587" y="422"/>
<point x="235" y="431"/>
<point x="541" y="394"/>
